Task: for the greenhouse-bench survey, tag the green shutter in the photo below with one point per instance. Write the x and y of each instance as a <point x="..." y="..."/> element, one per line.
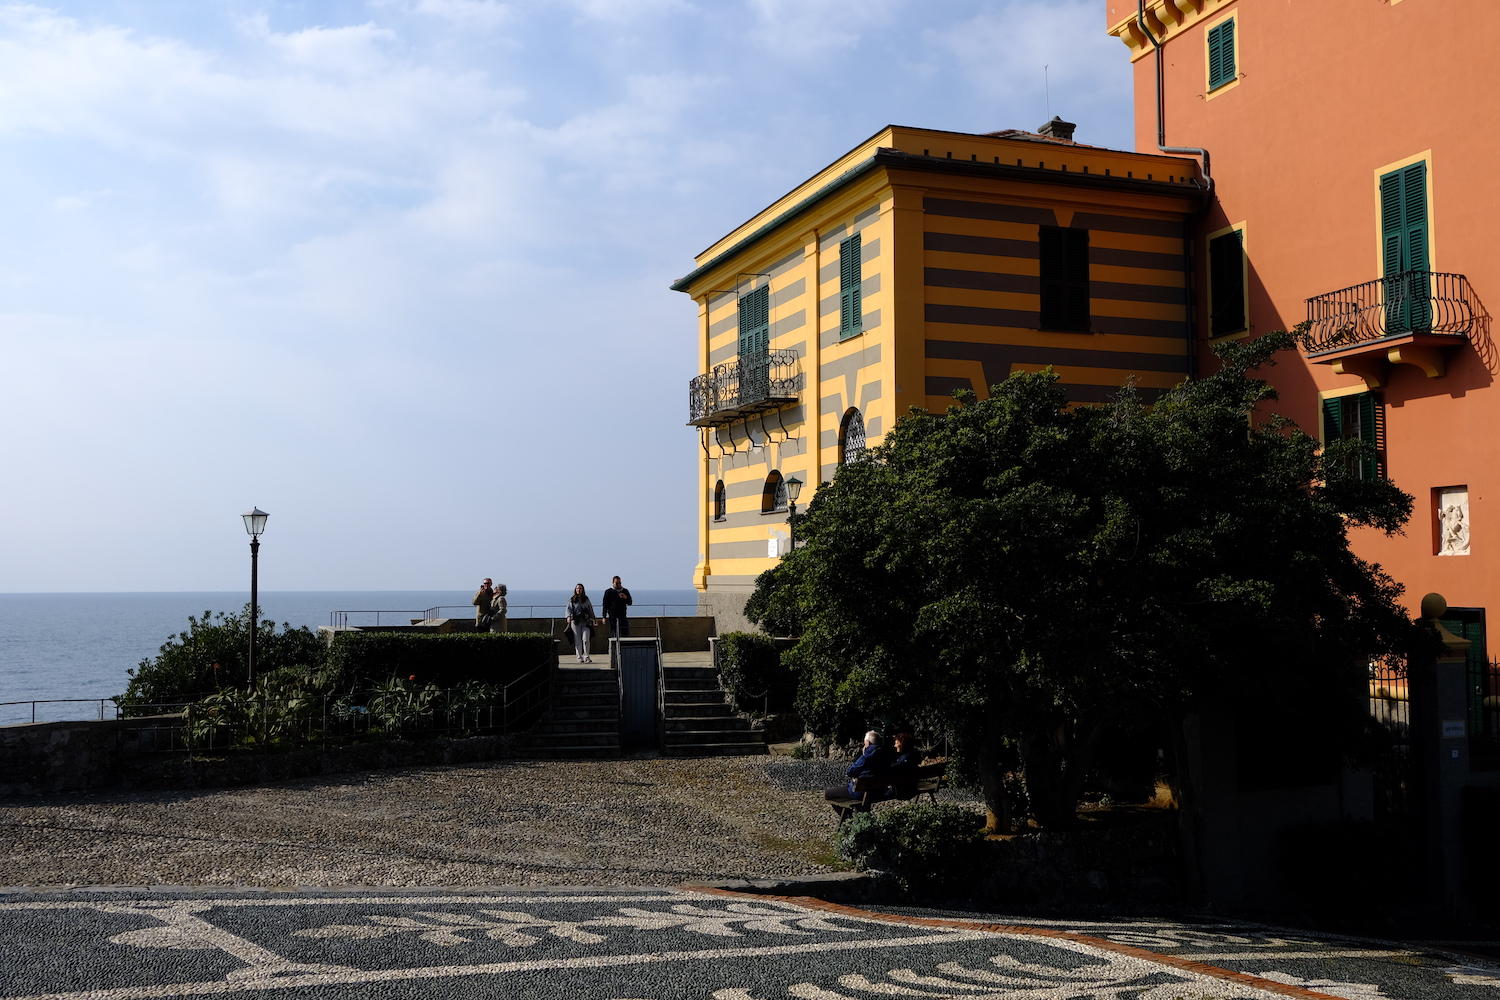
<point x="851" y="278"/>
<point x="1403" y="229"/>
<point x="755" y="322"/>
<point x="1333" y="424"/>
<point x="1221" y="67"/>
<point x="1369" y="467"/>
<point x="1226" y="282"/>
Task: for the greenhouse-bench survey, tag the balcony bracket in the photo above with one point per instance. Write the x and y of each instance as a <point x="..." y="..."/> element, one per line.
<point x="1432" y="360"/>
<point x="1372" y="360"/>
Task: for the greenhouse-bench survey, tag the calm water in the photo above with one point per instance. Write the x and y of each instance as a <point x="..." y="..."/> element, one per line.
<point x="81" y="645"/>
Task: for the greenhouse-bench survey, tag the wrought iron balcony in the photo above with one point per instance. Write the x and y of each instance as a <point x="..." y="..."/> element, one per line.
<point x="754" y="384"/>
<point x="1409" y="304"/>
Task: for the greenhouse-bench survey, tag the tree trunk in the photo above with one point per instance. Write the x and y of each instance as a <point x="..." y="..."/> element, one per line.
<point x="998" y="817"/>
<point x="1056" y="762"/>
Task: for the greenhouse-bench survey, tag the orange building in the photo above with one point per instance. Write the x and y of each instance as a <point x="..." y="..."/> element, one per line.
<point x="1353" y="178"/>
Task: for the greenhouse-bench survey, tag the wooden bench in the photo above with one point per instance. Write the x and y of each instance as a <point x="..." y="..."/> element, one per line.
<point x="927" y="780"/>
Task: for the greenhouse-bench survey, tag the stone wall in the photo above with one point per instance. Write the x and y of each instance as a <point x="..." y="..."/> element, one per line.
<point x="69" y="757"/>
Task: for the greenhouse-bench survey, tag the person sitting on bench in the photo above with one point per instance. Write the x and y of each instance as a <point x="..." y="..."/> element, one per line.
<point x="874" y="759"/>
<point x="907" y="758"/>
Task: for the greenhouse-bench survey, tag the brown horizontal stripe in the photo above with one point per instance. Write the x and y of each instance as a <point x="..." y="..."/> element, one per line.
<point x="1126" y="224"/>
<point x="945" y="385"/>
<point x="992" y="212"/>
<point x="1136" y="293"/>
<point x="988" y="245"/>
<point x="982" y="316"/>
<point x="1024" y="319"/>
<point x="998" y="359"/>
<point x="1136" y="258"/>
<point x="990" y="281"/>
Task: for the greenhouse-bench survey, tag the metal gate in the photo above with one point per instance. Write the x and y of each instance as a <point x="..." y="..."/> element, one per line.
<point x="639" y="662"/>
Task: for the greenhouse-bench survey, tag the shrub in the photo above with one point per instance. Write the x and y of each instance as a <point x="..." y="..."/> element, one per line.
<point x="364" y="660"/>
<point x="751" y="666"/>
<point x="932" y="850"/>
<point x="211" y="656"/>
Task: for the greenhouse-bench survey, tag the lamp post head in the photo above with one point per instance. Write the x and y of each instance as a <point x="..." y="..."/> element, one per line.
<point x="793" y="489"/>
<point x="255" y="521"/>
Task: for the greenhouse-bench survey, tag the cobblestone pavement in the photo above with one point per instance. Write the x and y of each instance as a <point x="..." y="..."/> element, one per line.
<point x="639" y="821"/>
<point x="624" y="944"/>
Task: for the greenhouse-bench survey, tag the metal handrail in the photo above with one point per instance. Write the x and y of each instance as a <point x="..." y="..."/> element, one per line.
<point x="1393" y="306"/>
<point x="748" y="382"/>
<point x="340" y="619"/>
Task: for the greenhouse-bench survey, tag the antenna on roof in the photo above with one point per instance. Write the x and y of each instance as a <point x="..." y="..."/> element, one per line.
<point x="1047" y="89"/>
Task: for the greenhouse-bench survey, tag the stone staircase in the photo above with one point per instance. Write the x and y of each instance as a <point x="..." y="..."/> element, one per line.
<point x="584" y="720"/>
<point x="698" y="719"/>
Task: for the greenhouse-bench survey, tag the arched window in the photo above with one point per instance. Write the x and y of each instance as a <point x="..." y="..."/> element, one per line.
<point x="851" y="436"/>
<point x="773" y="497"/>
<point x="720" y="504"/>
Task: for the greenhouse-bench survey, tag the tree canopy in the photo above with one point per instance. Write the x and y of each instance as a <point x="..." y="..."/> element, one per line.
<point x="1025" y="574"/>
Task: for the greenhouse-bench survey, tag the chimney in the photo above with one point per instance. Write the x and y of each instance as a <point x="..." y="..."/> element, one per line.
<point x="1058" y="129"/>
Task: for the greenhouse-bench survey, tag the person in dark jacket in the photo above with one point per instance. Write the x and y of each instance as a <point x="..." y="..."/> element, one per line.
<point x="905" y="760"/>
<point x="616" y="600"/>
<point x="581" y="621"/>
<point x="874" y="759"/>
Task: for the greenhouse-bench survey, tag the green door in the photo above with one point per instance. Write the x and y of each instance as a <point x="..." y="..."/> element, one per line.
<point x="1403" y="233"/>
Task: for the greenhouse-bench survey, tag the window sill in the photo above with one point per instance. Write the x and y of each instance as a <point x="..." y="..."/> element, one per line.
<point x="768" y="513"/>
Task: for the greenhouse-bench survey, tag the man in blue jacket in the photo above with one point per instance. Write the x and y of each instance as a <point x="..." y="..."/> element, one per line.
<point x="873" y="759"/>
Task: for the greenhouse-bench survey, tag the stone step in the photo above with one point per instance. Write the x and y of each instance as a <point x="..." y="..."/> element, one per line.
<point x="699" y="673"/>
<point x="695" y="709"/>
<point x="585" y="689"/>
<point x="692" y="697"/>
<point x="677" y="737"/>
<point x="699" y="724"/>
<point x="575" y="739"/>
<point x="714" y="750"/>
<point x="597" y="715"/>
<point x="699" y="687"/>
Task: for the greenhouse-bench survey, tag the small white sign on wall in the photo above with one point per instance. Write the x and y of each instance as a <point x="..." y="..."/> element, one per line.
<point x="771" y="548"/>
<point x="1453" y="729"/>
<point x="1453" y="521"/>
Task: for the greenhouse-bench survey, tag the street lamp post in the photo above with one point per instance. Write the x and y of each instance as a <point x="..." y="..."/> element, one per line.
<point x="255" y="523"/>
<point x="793" y="491"/>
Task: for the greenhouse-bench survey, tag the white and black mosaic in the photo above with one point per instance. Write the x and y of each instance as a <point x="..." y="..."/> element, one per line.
<point x="622" y="944"/>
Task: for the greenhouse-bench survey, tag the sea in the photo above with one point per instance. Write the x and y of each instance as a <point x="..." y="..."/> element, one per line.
<point x="55" y="648"/>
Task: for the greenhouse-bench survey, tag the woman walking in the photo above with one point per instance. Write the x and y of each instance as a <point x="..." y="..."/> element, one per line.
<point x="497" y="609"/>
<point x="581" y="621"/>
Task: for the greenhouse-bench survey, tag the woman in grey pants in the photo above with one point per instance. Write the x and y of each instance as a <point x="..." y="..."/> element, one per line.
<point x="581" y="621"/>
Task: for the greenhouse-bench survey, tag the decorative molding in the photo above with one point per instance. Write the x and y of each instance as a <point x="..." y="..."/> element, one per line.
<point x="1167" y="19"/>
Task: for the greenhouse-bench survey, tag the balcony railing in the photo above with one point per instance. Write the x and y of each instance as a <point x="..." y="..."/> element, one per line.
<point x="753" y="384"/>
<point x="1411" y="302"/>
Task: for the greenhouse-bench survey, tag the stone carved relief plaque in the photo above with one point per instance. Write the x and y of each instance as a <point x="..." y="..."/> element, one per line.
<point x="1453" y="521"/>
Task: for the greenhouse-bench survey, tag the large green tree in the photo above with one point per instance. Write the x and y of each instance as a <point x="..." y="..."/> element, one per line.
<point x="1026" y="575"/>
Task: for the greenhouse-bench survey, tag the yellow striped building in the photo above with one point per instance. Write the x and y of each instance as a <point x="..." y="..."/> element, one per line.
<point x="918" y="263"/>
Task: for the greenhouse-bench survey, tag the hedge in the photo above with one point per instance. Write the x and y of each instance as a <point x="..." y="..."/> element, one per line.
<point x="363" y="659"/>
<point x="751" y="666"/>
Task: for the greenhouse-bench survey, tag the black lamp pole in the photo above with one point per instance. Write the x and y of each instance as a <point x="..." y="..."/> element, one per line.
<point x="793" y="491"/>
<point x="255" y="523"/>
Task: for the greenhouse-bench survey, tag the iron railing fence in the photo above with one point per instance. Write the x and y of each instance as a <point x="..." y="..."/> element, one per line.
<point x="1484" y="709"/>
<point x="751" y="384"/>
<point x="43" y="710"/>
<point x="1408" y="302"/>
<point x="340" y="619"/>
<point x="1390" y="705"/>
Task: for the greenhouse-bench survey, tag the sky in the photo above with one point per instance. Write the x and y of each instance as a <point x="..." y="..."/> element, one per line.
<point x="396" y="271"/>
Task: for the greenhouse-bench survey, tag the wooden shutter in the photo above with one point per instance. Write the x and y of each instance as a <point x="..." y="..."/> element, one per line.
<point x="1403" y="232"/>
<point x="1333" y="424"/>
<point x="1367" y="406"/>
<point x="1221" y="67"/>
<point x="1226" y="283"/>
<point x="1064" y="257"/>
<point x="755" y="322"/>
<point x="851" y="277"/>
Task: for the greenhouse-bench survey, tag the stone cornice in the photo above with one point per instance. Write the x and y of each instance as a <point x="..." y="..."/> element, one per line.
<point x="1166" y="18"/>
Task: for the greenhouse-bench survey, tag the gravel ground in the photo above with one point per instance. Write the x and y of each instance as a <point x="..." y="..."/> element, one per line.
<point x="636" y="821"/>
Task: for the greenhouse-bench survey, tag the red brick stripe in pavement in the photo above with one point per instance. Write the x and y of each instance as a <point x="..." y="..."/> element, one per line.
<point x="1200" y="968"/>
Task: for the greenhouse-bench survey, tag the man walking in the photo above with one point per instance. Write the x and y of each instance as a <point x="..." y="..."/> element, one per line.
<point x="616" y="600"/>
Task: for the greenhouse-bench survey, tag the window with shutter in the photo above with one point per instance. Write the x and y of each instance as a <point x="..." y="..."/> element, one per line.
<point x="1358" y="417"/>
<point x="755" y="344"/>
<point x="1065" y="278"/>
<point x="1221" y="62"/>
<point x="851" y="436"/>
<point x="721" y="506"/>
<point x="851" y="277"/>
<point x="1403" y="233"/>
<point x="1226" y="284"/>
